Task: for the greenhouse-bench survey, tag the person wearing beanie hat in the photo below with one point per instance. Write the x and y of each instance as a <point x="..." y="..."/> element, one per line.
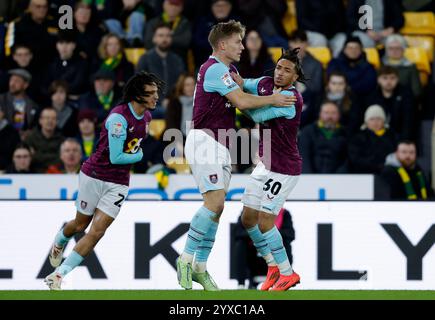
<point x="352" y="61"/>
<point x="369" y="147"/>
<point x="374" y="112"/>
<point x="87" y="137"/>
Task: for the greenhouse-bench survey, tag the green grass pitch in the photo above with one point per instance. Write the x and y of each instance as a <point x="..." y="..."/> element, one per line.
<point x="221" y="295"/>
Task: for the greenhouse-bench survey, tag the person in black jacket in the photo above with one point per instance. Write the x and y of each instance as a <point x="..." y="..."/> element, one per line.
<point x="369" y="148"/>
<point x="248" y="264"/>
<point x="68" y="66"/>
<point x="37" y="30"/>
<point x="387" y="18"/>
<point x="323" y="145"/>
<point x="21" y="160"/>
<point x="397" y="102"/>
<point x="352" y="61"/>
<point x="66" y="111"/>
<point x="403" y="175"/>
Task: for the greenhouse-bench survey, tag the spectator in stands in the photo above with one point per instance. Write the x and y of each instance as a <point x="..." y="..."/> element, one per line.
<point x="369" y="147"/>
<point x="403" y="175"/>
<point x="9" y="138"/>
<point x="312" y="67"/>
<point x="351" y="110"/>
<point x="324" y="22"/>
<point x="89" y="32"/>
<point x="395" y="46"/>
<point x="178" y="24"/>
<point x="66" y="111"/>
<point x="180" y="106"/>
<point x="396" y="101"/>
<point x="360" y="74"/>
<point x="248" y="265"/>
<point x="111" y="52"/>
<point x="255" y="59"/>
<point x="45" y="141"/>
<point x="22" y="58"/>
<point x="68" y="65"/>
<point x="265" y="16"/>
<point x="221" y="11"/>
<point x="164" y="63"/>
<point x="18" y="108"/>
<point x="70" y="157"/>
<point x="9" y="10"/>
<point x="88" y="136"/>
<point x="21" y="160"/>
<point x="36" y="30"/>
<point x="129" y="22"/>
<point x="104" y="95"/>
<point x="387" y="19"/>
<point x="323" y="145"/>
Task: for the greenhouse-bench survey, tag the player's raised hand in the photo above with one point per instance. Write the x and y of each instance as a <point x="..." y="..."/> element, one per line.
<point x="281" y="100"/>
<point x="237" y="79"/>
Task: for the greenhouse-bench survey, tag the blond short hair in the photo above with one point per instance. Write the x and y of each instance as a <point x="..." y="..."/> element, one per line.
<point x="224" y="30"/>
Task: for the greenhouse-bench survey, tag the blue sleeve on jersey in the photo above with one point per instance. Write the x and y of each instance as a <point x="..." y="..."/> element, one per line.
<point x="218" y="79"/>
<point x="270" y="112"/>
<point x="251" y="85"/>
<point x="116" y="126"/>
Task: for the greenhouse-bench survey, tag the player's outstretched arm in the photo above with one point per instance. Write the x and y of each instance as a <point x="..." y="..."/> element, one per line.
<point x="245" y="101"/>
<point x="116" y="126"/>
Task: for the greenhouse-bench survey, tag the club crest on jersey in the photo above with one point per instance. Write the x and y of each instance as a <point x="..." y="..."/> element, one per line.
<point x="213" y="178"/>
<point x="83" y="204"/>
<point x="227" y="80"/>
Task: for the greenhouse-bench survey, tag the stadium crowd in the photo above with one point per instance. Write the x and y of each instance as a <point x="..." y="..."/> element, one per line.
<point x="368" y="104"/>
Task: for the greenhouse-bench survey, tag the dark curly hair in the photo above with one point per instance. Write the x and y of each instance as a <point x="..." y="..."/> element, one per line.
<point x="134" y="88"/>
<point x="292" y="55"/>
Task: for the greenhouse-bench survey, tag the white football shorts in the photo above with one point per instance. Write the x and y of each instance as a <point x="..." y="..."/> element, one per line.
<point x="266" y="190"/>
<point x="94" y="193"/>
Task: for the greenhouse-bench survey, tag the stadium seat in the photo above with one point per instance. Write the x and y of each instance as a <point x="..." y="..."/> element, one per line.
<point x="275" y="53"/>
<point x="425" y="42"/>
<point x="133" y="54"/>
<point x="289" y="20"/>
<point x="419" y="57"/>
<point x="323" y="54"/>
<point x="419" y="23"/>
<point x="179" y="164"/>
<point x="157" y="127"/>
<point x="373" y="58"/>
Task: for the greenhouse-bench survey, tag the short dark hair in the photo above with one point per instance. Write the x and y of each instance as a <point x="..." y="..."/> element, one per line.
<point x="161" y="25"/>
<point x="298" y="35"/>
<point x="224" y="30"/>
<point x="20" y="46"/>
<point x="292" y="55"/>
<point x="23" y="145"/>
<point x="56" y="85"/>
<point x="134" y="88"/>
<point x="384" y="70"/>
<point x="407" y="141"/>
<point x="336" y="73"/>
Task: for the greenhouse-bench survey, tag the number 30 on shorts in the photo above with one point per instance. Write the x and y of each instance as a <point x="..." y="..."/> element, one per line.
<point x="118" y="202"/>
<point x="274" y="187"/>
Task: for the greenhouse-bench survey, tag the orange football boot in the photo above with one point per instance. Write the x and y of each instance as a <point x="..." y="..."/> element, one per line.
<point x="286" y="282"/>
<point x="271" y="278"/>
